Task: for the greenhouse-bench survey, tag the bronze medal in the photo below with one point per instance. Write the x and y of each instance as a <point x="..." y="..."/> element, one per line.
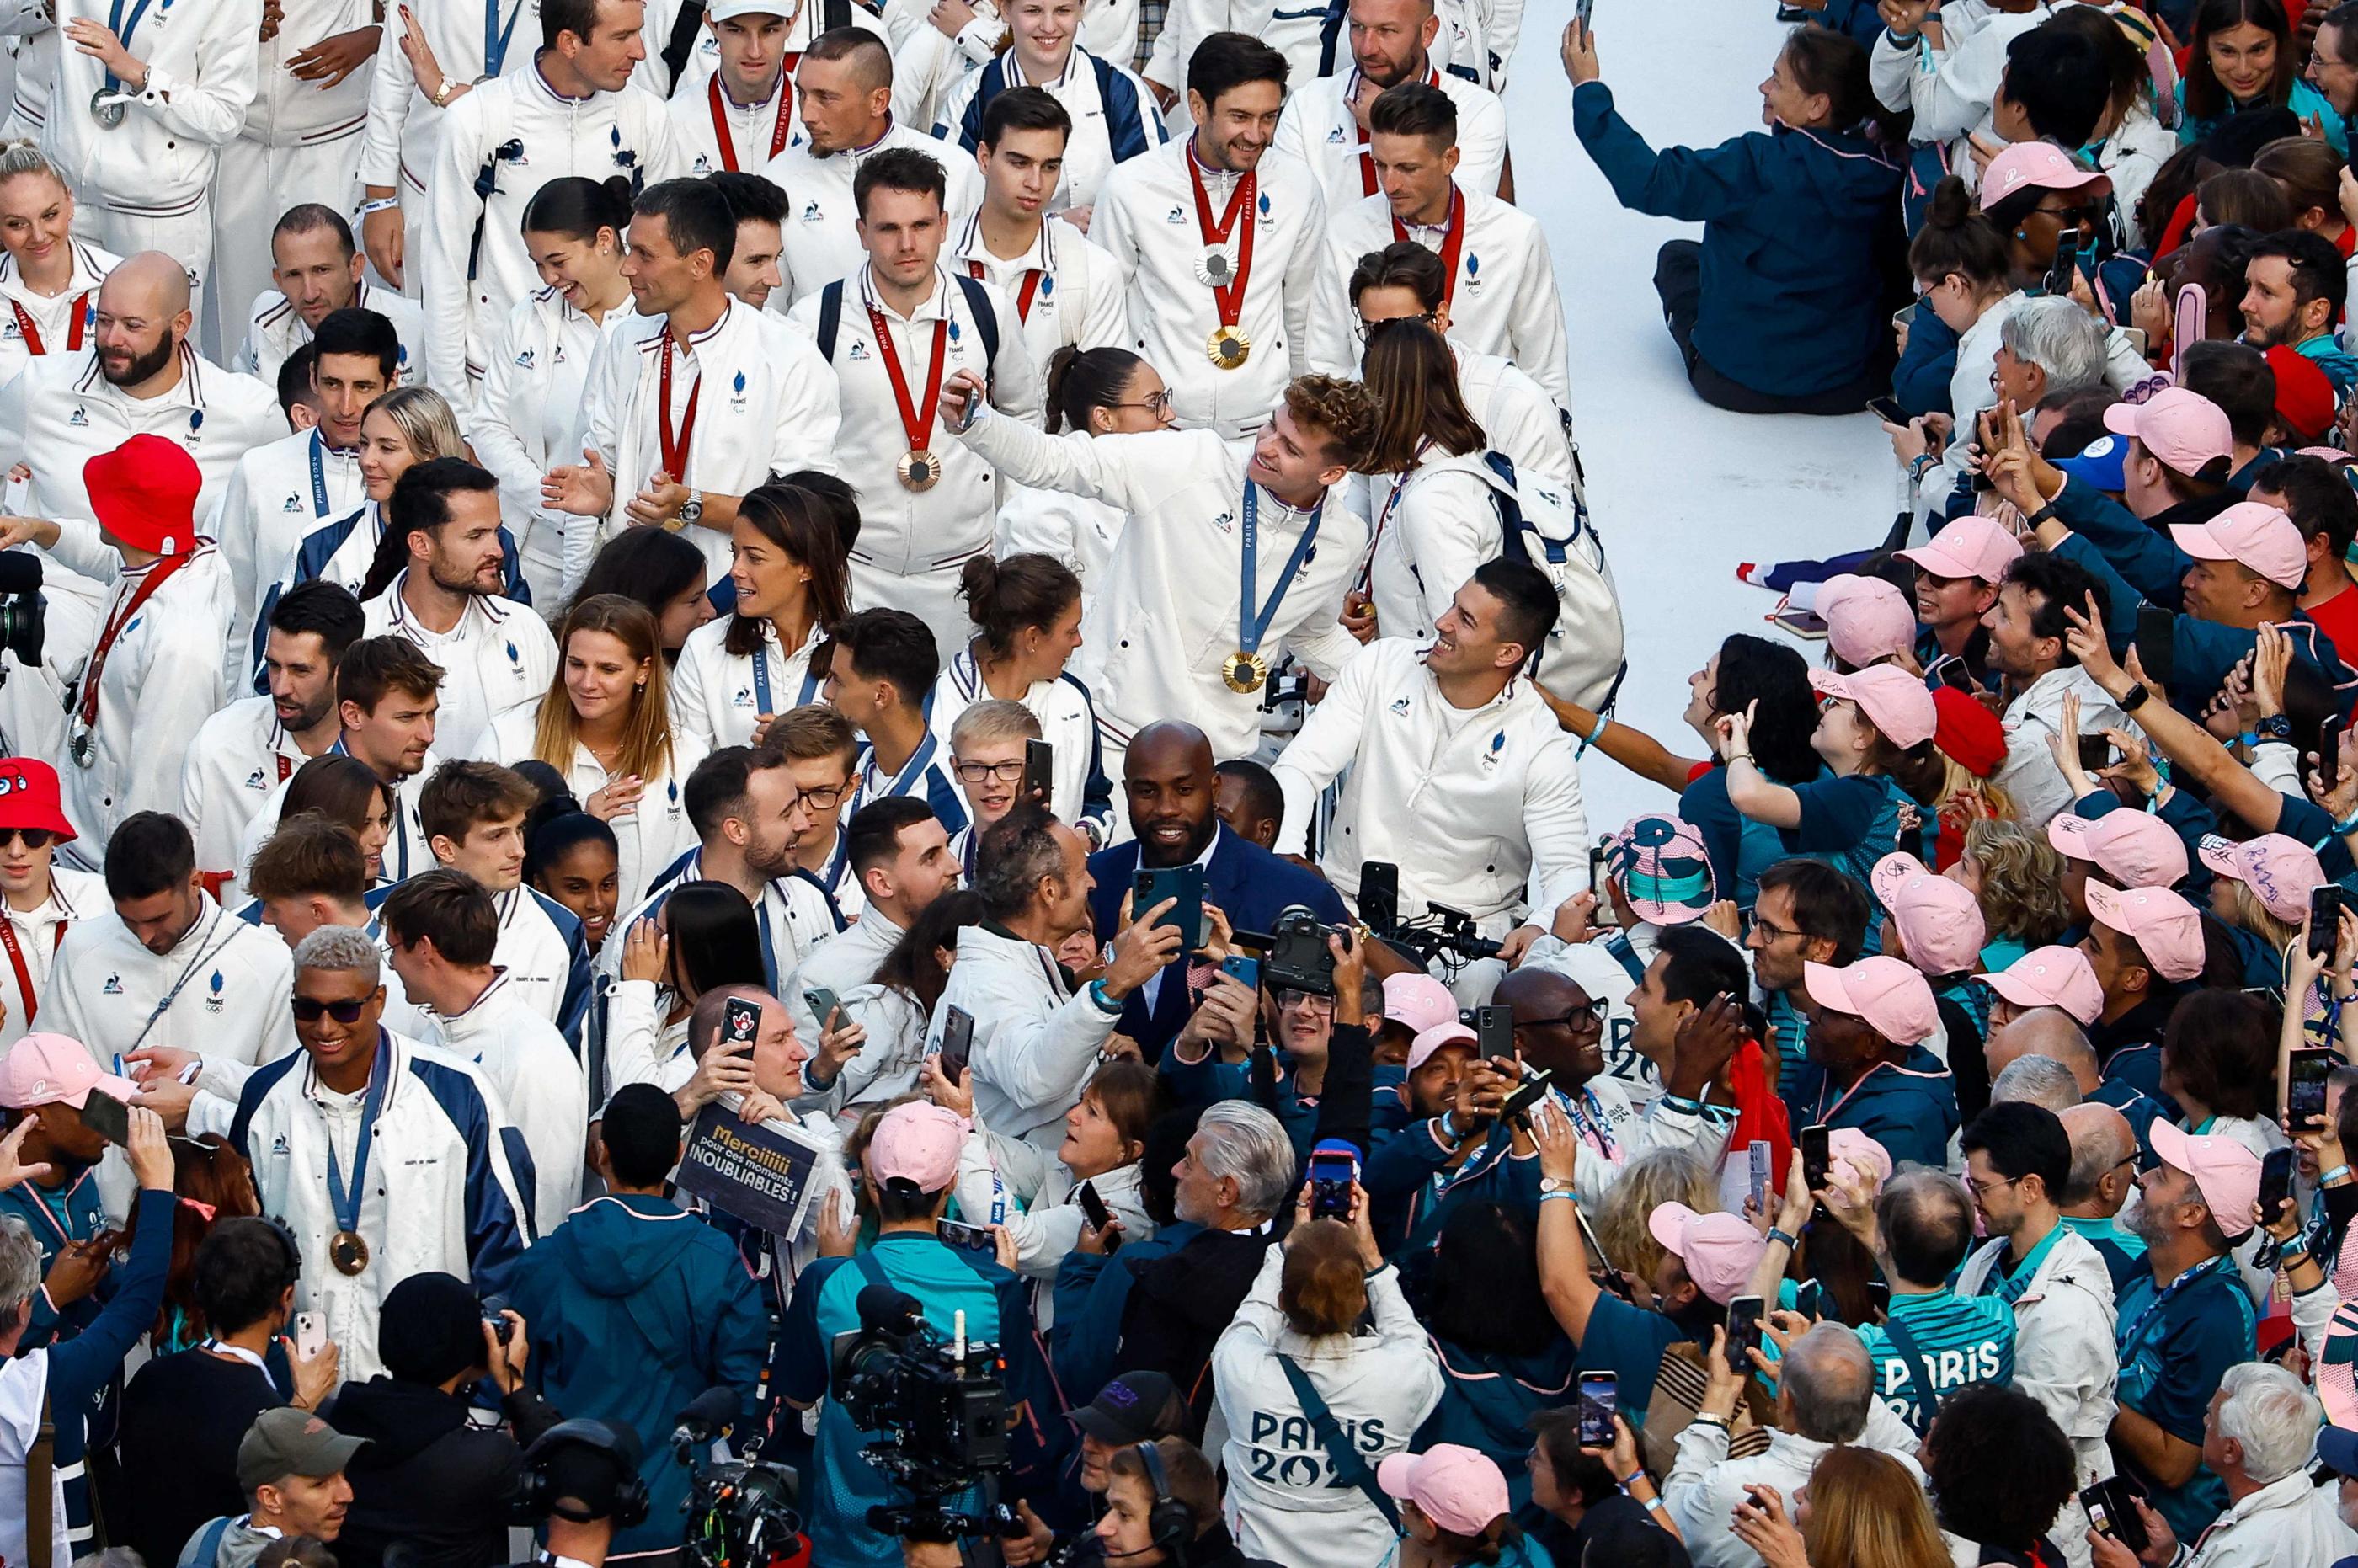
<point x="919" y="470"/>
<point x="347" y="1252"/>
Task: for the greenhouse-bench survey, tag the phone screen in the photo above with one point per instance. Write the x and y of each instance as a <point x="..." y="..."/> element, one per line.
<point x="1600" y="1396"/>
<point x="2095" y="752"/>
<point x="2305" y="1084"/>
<point x="2324" y="921"/>
<point x="966" y="1237"/>
<point x="958" y="1043"/>
<point x="2157" y="642"/>
<point x="1743" y="1331"/>
<point x="1331" y="1177"/>
<point x="2111" y="1512"/>
<point x="1817" y="1156"/>
<point x="2276" y="1180"/>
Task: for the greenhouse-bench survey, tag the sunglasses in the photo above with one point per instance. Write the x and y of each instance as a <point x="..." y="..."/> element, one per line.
<point x="34" y="837"/>
<point x="308" y="1009"/>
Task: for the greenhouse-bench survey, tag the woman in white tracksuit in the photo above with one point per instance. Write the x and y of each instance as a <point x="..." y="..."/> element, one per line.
<point x="532" y="413"/>
<point x="792" y="579"/>
<point x="1285" y="1501"/>
<point x="1106" y="392"/>
<point x="605" y="724"/>
<point x="1436" y="518"/>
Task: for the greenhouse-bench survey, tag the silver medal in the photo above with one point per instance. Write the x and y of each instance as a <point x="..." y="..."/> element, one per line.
<point x="107" y="107"/>
<point x="81" y="749"/>
<point x="1214" y="268"/>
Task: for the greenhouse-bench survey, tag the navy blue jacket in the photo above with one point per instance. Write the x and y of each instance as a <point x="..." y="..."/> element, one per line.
<point x="1792" y="302"/>
<point x="1251" y="886"/>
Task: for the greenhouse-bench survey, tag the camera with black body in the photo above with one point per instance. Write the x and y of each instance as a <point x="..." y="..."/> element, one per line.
<point x="938" y="1405"/>
<point x="1439" y="931"/>
<point x="1294" y="955"/>
<point x="740" y="1512"/>
<point x="21" y="626"/>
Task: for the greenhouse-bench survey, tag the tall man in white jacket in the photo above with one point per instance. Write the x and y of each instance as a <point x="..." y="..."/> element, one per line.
<point x="698" y="402"/>
<point x="574" y="113"/>
<point x="1326" y="123"/>
<point x="896" y="331"/>
<point x="741" y="115"/>
<point x="1458" y="773"/>
<point x="315" y="272"/>
<point x="384" y="1157"/>
<point x="1035" y="1038"/>
<point x="1214" y="523"/>
<point x="137" y="120"/>
<point x="1219" y="244"/>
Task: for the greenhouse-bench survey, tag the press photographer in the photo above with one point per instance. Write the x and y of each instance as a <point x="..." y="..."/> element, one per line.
<point x="580" y="1483"/>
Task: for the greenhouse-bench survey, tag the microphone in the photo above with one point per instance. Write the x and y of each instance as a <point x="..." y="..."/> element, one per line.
<point x="887" y="1308"/>
<point x="703" y="1419"/>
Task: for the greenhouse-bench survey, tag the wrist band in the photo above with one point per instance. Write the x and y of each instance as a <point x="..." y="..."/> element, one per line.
<point x="1654" y="1504"/>
<point x="1704" y="1418"/>
<point x="2043" y="514"/>
<point x="2347" y="826"/>
<point x="1105" y="1002"/>
<point x="1567" y="1197"/>
<point x="379" y="205"/>
<point x="1595" y="734"/>
<point x="1637" y="1475"/>
<point x="1739" y="757"/>
<point x="2335" y="1174"/>
<point x="1778" y="1233"/>
<point x="2135" y="699"/>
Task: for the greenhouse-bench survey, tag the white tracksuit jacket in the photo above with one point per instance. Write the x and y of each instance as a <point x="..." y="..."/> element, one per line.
<point x="270" y="503"/>
<point x="540" y="1083"/>
<point x="275" y="329"/>
<point x="716" y="697"/>
<point x="2064" y="1352"/>
<point x="74" y="897"/>
<point x="1434" y="524"/>
<point x="53" y="317"/>
<point x="1035" y="1041"/>
<point x="1319" y="128"/>
<point x="1076" y="301"/>
<point x="240" y="755"/>
<point x="1518" y="415"/>
<point x="1068" y="721"/>
<point x="821" y="241"/>
<point x="499" y="655"/>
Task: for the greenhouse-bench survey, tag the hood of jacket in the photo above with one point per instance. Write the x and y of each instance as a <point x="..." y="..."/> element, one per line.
<point x="614" y="1245"/>
<point x="400" y="1419"/>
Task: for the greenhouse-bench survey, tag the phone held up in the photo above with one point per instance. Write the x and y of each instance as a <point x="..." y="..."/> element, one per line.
<point x="958" y="1043"/>
<point x="1600" y="1396"/>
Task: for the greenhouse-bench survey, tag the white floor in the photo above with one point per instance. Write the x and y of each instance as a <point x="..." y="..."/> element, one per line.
<point x="1681" y="491"/>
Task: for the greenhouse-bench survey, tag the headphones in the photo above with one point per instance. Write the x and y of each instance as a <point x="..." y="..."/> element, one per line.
<point x="535" y="1496"/>
<point x="1171" y="1524"/>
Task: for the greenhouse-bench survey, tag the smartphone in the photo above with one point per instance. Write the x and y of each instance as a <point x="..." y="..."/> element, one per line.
<point x="1242" y="966"/>
<point x="1761" y="1174"/>
<point x="1093" y="1207"/>
<point x="966" y="1238"/>
<point x="2095" y="752"/>
<point x="740" y="1021"/>
<point x="1332" y="1171"/>
<point x="1879" y="1301"/>
<point x="2111" y="1508"/>
<point x="1184" y="883"/>
<point x="2067" y="263"/>
<point x="2276" y="1179"/>
<point x="1817" y="1155"/>
<point x="2157" y="642"/>
<point x="107" y="1116"/>
<point x="1904" y="317"/>
<point x="1743" y="1331"/>
<point x="1806" y="624"/>
<point x="1379" y="896"/>
<point x="1039" y="771"/>
<point x="1597" y="876"/>
<point x="2304" y="1078"/>
<point x="822" y="1003"/>
<point x="1585" y="8"/>
<point x="1951" y="673"/>
<point x="1519" y="1103"/>
<point x="2324" y="921"/>
<point x="1600" y="1396"/>
<point x="958" y="1043"/>
<point x="1494" y="1032"/>
<point x="1809" y="1298"/>
<point x="310" y="1335"/>
<point x="1887" y="409"/>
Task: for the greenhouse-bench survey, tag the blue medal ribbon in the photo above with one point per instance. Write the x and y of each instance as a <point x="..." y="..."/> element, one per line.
<point x="1251" y="627"/>
<point x="318" y="476"/>
<point x="346" y="1202"/>
<point x="122" y="31"/>
<point x="495" y="37"/>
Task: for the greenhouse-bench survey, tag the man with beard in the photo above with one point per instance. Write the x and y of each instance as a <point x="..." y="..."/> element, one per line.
<point x="498" y="654"/>
<point x="1170" y="786"/>
<point x="1326" y="124"/>
<point x="317" y="271"/>
<point x="250" y="748"/>
<point x="2294" y="288"/>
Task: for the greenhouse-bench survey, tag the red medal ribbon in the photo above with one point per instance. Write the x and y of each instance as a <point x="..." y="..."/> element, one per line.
<point x="17" y="961"/>
<point x="1230" y="298"/>
<point x="73" y="325"/>
<point x="916" y="425"/>
<point x="1452" y="243"/>
<point x="674" y="445"/>
<point x="720" y="118"/>
<point x="1366" y="158"/>
<point x="1032" y="276"/>
<point x="86" y="704"/>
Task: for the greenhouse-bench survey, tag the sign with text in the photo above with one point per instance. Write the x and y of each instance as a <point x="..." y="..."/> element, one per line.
<point x="760" y="1173"/>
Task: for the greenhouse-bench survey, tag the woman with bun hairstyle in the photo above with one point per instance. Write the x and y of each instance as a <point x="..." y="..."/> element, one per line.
<point x="790" y="568"/>
<point x="1965" y="281"/>
<point x="530" y="415"/>
<point x="1096" y="392"/>
<point x="1027" y="611"/>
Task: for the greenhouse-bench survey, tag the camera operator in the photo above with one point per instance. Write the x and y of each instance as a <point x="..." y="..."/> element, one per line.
<point x="1457" y="771"/>
<point x="1171" y="1518"/>
<point x="1135" y="1408"/>
<point x="581" y="1476"/>
<point x="429" y="1481"/>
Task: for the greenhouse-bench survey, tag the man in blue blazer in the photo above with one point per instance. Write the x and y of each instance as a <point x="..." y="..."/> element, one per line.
<point x="1169" y="780"/>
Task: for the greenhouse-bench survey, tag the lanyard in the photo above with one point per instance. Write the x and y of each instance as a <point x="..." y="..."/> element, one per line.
<point x="674" y="444"/>
<point x="1251" y="628"/>
<point x="915" y="424"/>
<point x="1452" y="242"/>
<point x="346" y="1200"/>
<point x="73" y="325"/>
<point x="2129" y="1336"/>
<point x="1592" y="1125"/>
<point x="195" y="963"/>
<point x="1826" y="1113"/>
<point x="16" y="960"/>
<point x="86" y="706"/>
<point x="239" y="1353"/>
<point x="495" y="37"/>
<point x="761" y="680"/>
<point x="1229" y="298"/>
<point x="122" y="31"/>
<point x="1399" y="487"/>
<point x="720" y="131"/>
<point x="1032" y="276"/>
<point x="319" y="455"/>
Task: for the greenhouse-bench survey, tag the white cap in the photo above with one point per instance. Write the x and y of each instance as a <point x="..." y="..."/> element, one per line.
<point x="727" y="10"/>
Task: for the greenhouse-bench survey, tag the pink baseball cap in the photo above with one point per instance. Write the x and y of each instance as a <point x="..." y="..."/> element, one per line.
<point x="2184" y="430"/>
<point x="2255" y="536"/>
<point x="2281" y="872"/>
<point x="54" y="1069"/>
<point x="918" y="1143"/>
<point x="1866" y="618"/>
<point x="1972" y="545"/>
<point x="2039" y="163"/>
<point x="1418" y="1002"/>
<point x="1428" y="1041"/>
<point x="2051" y="977"/>
<point x="2134" y="848"/>
<point x="1893" y="700"/>
<point x="1868" y="1153"/>
<point x="1719" y="1251"/>
<point x="1461" y="1489"/>
<point x="2164" y="926"/>
<point x="1893" y="997"/>
<point x="2226" y="1174"/>
<point x="1939" y="921"/>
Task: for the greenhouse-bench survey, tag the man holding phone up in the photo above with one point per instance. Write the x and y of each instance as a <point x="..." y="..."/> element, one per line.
<point x="46" y="1083"/>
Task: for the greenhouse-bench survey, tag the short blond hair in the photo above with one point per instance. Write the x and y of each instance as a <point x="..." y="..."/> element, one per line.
<point x="993" y="719"/>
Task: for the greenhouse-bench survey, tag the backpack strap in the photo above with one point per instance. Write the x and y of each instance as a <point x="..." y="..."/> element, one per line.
<point x="870" y="1269"/>
<point x="40" y="1502"/>
<point x="1330" y="34"/>
<point x="830" y="319"/>
<point x="209" y="1545"/>
<point x="836" y="14"/>
<point x="1627" y="956"/>
<point x="1919" y="1371"/>
<point x="1348" y="1465"/>
<point x="986" y="319"/>
<point x="682" y="41"/>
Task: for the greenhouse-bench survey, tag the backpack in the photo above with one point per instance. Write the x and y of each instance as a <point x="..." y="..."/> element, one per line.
<point x="1544" y="527"/>
<point x="978" y="305"/>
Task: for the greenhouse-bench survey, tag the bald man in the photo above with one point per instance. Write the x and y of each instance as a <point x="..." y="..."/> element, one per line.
<point x="2051" y="1032"/>
<point x="1169" y="788"/>
<point x="2104" y="1173"/>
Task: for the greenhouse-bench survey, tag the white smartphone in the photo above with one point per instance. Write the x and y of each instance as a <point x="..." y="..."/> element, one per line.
<point x="310" y="1335"/>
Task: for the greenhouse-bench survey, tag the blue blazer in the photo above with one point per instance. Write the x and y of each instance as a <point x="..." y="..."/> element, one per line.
<point x="1250" y="885"/>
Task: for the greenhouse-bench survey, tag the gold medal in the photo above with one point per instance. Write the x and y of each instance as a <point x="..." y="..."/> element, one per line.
<point x="919" y="470"/>
<point x="1243" y="671"/>
<point x="347" y="1252"/>
<point x="1228" y="347"/>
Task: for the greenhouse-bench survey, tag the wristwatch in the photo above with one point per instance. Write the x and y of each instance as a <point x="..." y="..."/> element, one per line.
<point x="2275" y="726"/>
<point x="1555" y="1185"/>
<point x="2135" y="699"/>
<point x="691" y="510"/>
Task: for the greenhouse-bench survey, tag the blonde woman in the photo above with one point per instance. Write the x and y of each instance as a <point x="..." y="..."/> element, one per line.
<point x="605" y="725"/>
<point x="49" y="278"/>
<point x="1648" y="1181"/>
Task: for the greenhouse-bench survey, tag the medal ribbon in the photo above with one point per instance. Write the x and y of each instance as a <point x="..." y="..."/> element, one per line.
<point x="1251" y="628"/>
<point x="916" y="426"/>
<point x="720" y="119"/>
<point x="346" y="1201"/>
<point x="1452" y="243"/>
<point x="122" y="31"/>
<point x="1366" y="158"/>
<point x="495" y="37"/>
<point x="1032" y="276"/>
<point x="674" y="444"/>
<point x="1229" y="297"/>
<point x="318" y="476"/>
<point x="73" y="325"/>
<point x="17" y="961"/>
<point x="86" y="702"/>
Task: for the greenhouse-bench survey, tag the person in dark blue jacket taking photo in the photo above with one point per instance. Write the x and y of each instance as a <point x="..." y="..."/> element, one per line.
<point x="1779" y="309"/>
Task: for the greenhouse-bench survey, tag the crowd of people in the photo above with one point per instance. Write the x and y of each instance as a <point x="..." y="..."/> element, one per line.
<point x="998" y="921"/>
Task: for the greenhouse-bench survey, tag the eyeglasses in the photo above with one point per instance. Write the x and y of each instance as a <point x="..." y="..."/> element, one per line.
<point x="307" y="1009"/>
<point x="1591" y="1012"/>
<point x="1775" y="931"/>
<point x="2070" y="217"/>
<point x="1983" y="1189"/>
<point x="1309" y="1001"/>
<point x="1157" y="404"/>
<point x="1005" y="772"/>
<point x="34" y="837"/>
<point x="1430" y="317"/>
<point x="824" y="799"/>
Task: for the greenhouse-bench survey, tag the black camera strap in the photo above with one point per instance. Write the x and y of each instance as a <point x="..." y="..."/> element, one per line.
<point x="1348" y="1464"/>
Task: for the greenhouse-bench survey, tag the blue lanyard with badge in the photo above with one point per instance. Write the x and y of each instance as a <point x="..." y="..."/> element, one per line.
<point x="495" y="37"/>
<point x="910" y="772"/>
<point x="1247" y="669"/>
<point x="2137" y="1376"/>
<point x="107" y="105"/>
